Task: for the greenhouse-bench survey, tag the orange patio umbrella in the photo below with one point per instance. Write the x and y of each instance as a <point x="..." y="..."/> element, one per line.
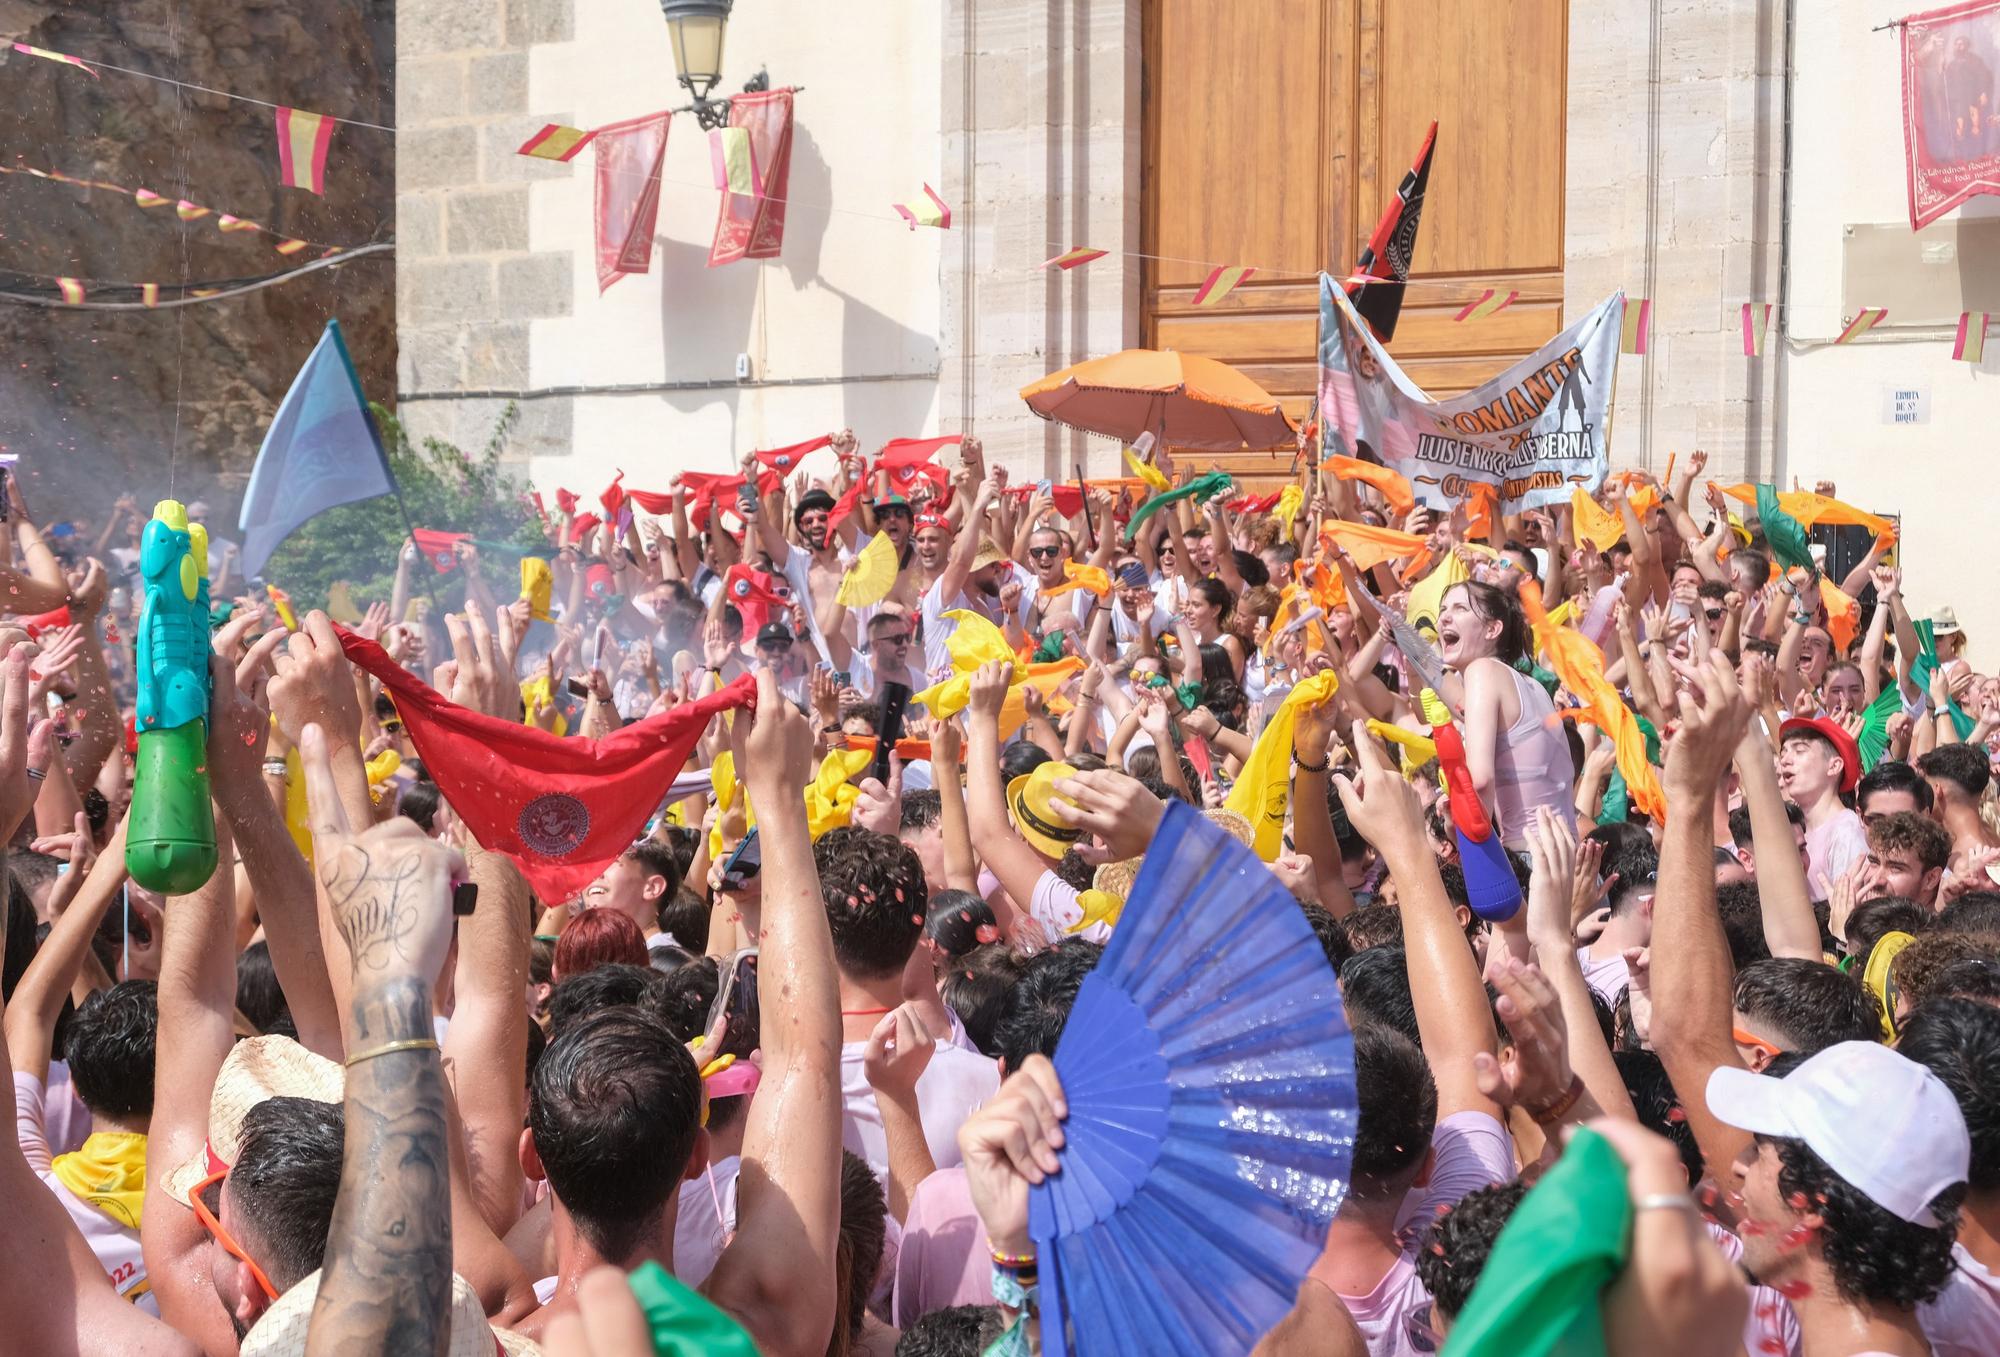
<point x="1181" y="399"/>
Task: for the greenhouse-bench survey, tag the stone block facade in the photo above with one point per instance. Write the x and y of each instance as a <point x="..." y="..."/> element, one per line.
<point x="466" y="281"/>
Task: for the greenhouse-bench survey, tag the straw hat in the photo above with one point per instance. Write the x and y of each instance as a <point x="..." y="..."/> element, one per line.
<point x="260" y="1068"/>
<point x="1944" y="622"/>
<point x="1116" y="878"/>
<point x="988" y="554"/>
<point x="1031" y="797"/>
<point x="281" y="1332"/>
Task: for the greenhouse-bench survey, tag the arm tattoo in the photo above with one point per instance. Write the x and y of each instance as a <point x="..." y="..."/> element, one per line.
<point x="386" y="1286"/>
<point x="376" y="906"/>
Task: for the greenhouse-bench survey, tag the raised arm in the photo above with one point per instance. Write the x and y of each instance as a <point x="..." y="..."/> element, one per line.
<point x="386" y="1282"/>
<point x="1453" y="1018"/>
<point x="487" y="1043"/>
<point x="1312" y="816"/>
<point x="951" y="580"/>
<point x="777" y="1273"/>
<point x="1691" y="983"/>
<point x="1790" y="928"/>
<point x="1018" y="866"/>
<point x="39" y="994"/>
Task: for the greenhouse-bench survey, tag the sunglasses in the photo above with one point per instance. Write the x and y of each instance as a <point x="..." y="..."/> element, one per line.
<point x="901" y="638"/>
<point x="1039" y="552"/>
<point x="1743" y="1038"/>
<point x="775" y="648"/>
<point x="1713" y="614"/>
<point x="198" y="1199"/>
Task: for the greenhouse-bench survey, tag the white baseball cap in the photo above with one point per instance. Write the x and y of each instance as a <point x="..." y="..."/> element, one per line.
<point x="1880" y="1120"/>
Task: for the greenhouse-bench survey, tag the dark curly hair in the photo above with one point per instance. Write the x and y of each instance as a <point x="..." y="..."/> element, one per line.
<point x="1875" y="1256"/>
<point x="1456" y="1246"/>
<point x="876" y="901"/>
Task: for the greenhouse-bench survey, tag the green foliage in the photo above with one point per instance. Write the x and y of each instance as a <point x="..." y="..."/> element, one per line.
<point x="445" y="488"/>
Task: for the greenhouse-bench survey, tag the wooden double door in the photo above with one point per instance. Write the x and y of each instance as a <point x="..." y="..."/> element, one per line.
<point x="1277" y="130"/>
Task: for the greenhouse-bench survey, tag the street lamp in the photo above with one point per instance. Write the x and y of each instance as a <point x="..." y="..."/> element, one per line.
<point x="697" y="28"/>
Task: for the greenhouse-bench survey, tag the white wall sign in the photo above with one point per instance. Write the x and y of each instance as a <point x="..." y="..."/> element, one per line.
<point x="1906" y="405"/>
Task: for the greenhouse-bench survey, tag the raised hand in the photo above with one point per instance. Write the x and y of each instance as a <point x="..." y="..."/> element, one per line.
<point x="1381" y="804"/>
<point x="314" y="685"/>
<point x="898" y="1052"/>
<point x="1534" y="1073"/>
<point x="1712" y="723"/>
<point x="1009" y="1145"/>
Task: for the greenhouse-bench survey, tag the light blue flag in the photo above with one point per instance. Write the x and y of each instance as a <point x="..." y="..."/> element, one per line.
<point x="322" y="452"/>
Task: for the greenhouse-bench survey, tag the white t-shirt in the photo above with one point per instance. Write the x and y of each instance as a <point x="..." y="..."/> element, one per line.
<point x="952" y="1087"/>
<point x="1056" y="906"/>
<point x="1607" y="978"/>
<point x="938" y="628"/>
<point x="1125" y="627"/>
<point x="1831" y="849"/>
<point x="1964" y="1320"/>
<point x="116" y="1246"/>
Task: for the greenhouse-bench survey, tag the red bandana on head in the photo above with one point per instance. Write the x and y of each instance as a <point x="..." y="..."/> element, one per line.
<point x="437" y="547"/>
<point x="755" y="595"/>
<point x="562" y="809"/>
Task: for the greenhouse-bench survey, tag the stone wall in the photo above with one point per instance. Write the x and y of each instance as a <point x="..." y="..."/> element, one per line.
<point x="1042" y="151"/>
<point x="467" y="283"/>
<point x="1673" y="187"/>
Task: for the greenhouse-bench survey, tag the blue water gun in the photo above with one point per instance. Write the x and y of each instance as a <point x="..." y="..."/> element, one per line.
<point x="1491" y="887"/>
<point x="170" y="837"/>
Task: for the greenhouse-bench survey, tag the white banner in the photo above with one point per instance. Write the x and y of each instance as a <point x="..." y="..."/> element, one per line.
<point x="1535" y="431"/>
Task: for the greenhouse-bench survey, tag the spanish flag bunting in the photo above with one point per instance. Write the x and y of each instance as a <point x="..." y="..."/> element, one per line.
<point x="1638" y="321"/>
<point x="207" y="292"/>
<point x="1756" y="324"/>
<point x="734" y="160"/>
<point x="46" y="55"/>
<point x="1867" y="319"/>
<point x="1069" y="259"/>
<point x="303" y="139"/>
<point x="188" y="211"/>
<point x="291" y="246"/>
<point x="556" y="142"/>
<point x="229" y="223"/>
<point x="1489" y="303"/>
<point x="145" y="197"/>
<point x="926" y="211"/>
<point x="1970" y="345"/>
<point x="72" y="290"/>
<point x="149" y="293"/>
<point x="1221" y="281"/>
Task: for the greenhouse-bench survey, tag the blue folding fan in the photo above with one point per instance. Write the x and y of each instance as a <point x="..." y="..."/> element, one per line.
<point x="1209" y="1074"/>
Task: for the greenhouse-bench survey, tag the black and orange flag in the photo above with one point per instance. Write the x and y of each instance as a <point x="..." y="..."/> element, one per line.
<point x="1376" y="285"/>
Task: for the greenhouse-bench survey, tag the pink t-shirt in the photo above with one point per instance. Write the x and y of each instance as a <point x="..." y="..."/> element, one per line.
<point x="1472" y="1150"/>
<point x="1607" y="978"/>
<point x="951" y="1088"/>
<point x="1964" y="1320"/>
<point x="116" y="1247"/>
<point x="944" y="1260"/>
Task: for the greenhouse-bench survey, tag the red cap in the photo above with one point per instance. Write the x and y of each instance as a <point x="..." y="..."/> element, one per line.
<point x="1843" y="745"/>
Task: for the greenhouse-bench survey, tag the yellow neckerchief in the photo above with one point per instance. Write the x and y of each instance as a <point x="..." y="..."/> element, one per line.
<point x="109" y="1172"/>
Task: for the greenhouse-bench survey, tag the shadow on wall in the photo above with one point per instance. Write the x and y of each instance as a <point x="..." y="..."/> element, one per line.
<point x="708" y="316"/>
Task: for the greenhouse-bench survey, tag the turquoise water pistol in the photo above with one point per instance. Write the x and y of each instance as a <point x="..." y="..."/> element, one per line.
<point x="170" y="841"/>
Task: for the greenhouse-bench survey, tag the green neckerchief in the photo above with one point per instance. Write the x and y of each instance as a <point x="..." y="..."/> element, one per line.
<point x="1784" y="534"/>
<point x="1616" y="805"/>
<point x="684" y="1323"/>
<point x="1201" y="489"/>
<point x="1920" y="675"/>
<point x="1542" y="1288"/>
<point x="1051" y="648"/>
<point x="1190" y="695"/>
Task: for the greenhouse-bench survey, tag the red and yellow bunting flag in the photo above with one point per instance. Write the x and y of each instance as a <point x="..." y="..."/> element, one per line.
<point x="47" y="55"/>
<point x="188" y="211"/>
<point x="149" y="293"/>
<point x="1489" y="302"/>
<point x="228" y="223"/>
<point x="303" y="139"/>
<point x="1638" y="322"/>
<point x="1221" y="281"/>
<point x="72" y="290"/>
<point x="145" y="197"/>
<point x="291" y="246"/>
<point x="1868" y="319"/>
<point x="1756" y="325"/>
<point x="1970" y="345"/>
<point x="928" y="210"/>
<point x="1069" y="259"/>
<point x="556" y="142"/>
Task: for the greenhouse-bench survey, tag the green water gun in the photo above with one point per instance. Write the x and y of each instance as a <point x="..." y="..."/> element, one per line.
<point x="170" y="839"/>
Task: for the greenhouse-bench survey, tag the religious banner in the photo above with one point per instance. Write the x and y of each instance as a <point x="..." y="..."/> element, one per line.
<point x="629" y="155"/>
<point x="1949" y="138"/>
<point x="1534" y="432"/>
<point x="752" y="225"/>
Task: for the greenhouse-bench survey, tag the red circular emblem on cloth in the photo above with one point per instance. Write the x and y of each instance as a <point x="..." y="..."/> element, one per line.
<point x="554" y="825"/>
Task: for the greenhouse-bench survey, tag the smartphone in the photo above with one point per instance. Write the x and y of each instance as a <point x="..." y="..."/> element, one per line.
<point x="578" y="688"/>
<point x="743" y="863"/>
<point x="746" y="500"/>
<point x="889" y="728"/>
<point x="842" y="679"/>
<point x="735" y="994"/>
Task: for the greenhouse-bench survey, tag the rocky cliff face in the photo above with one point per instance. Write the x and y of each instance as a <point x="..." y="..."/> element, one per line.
<point x="95" y="402"/>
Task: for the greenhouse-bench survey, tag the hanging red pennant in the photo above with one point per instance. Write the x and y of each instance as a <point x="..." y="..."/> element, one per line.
<point x="629" y="156"/>
<point x="752" y="226"/>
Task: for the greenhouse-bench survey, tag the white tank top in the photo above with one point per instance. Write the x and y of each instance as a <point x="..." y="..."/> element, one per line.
<point x="1531" y="765"/>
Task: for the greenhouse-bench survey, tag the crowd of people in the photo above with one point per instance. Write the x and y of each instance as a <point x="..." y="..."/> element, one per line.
<point x="779" y="1079"/>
